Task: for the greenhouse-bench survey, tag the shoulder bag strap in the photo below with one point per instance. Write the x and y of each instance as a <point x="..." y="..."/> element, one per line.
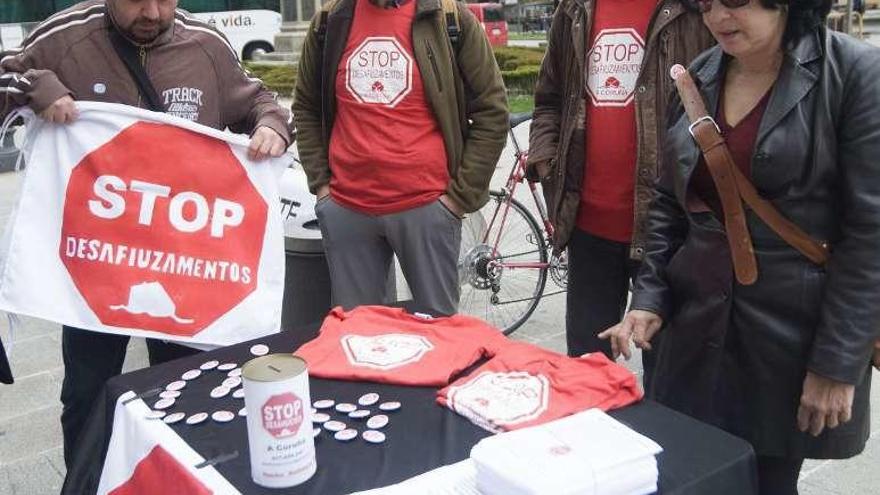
<point x="128" y="54"/>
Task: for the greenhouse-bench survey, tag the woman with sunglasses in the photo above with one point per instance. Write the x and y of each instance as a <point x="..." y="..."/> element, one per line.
<point x="784" y="360"/>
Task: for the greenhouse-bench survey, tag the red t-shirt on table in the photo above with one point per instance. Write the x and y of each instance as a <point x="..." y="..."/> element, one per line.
<point x="614" y="59"/>
<point x="386" y="151"/>
<point x="389" y="345"/>
<point x="525" y="385"/>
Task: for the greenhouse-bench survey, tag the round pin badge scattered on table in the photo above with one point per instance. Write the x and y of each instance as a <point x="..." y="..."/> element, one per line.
<point x="175" y="386"/>
<point x="320" y="417"/>
<point x="346" y="408"/>
<point x="170" y="394"/>
<point x="219" y="392"/>
<point x="234" y="373"/>
<point x="242" y="412"/>
<point x="164" y="404"/>
<point x="222" y="416"/>
<point x="368" y="400"/>
<point x="197" y="418"/>
<point x="191" y="375"/>
<point x="359" y="414"/>
<point x="238" y="394"/>
<point x="334" y="426"/>
<point x="209" y="365"/>
<point x="232" y="382"/>
<point x="390" y="406"/>
<point x="346" y="435"/>
<point x="227" y="366"/>
<point x="373" y="436"/>
<point x="316" y="431"/>
<point x="260" y="350"/>
<point x="155" y="415"/>
<point x="377" y="422"/>
<point x="174" y="418"/>
<point x="324" y="404"/>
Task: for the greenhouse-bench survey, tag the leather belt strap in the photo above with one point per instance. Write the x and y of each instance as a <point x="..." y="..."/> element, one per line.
<point x="734" y="188"/>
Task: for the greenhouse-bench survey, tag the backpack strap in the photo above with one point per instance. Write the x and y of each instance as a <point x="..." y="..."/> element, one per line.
<point x="450" y="13"/>
<point x="321" y="28"/>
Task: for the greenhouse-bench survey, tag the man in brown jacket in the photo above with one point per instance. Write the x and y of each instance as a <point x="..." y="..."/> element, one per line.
<point x="196" y="75"/>
<point x="600" y="107"/>
<point x="399" y="129"/>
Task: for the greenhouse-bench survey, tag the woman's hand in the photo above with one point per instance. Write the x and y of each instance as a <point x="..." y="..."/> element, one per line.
<point x="639" y="325"/>
<point x="825" y="403"/>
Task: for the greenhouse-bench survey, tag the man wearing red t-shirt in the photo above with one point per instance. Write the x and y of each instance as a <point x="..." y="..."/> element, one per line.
<point x="599" y="117"/>
<point x="400" y="120"/>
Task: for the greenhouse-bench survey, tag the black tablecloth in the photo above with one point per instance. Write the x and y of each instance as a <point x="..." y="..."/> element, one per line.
<point x="697" y="458"/>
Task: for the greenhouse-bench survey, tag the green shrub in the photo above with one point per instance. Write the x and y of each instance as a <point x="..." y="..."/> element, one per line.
<point x="515" y="57"/>
<point x="278" y="78"/>
<point x="521" y="81"/>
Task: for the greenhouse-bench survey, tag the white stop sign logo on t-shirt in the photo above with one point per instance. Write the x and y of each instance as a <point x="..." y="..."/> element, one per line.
<point x="379" y="72"/>
<point x="613" y="66"/>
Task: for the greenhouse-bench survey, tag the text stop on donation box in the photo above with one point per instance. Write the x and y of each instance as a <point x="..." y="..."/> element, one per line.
<point x="163" y="228"/>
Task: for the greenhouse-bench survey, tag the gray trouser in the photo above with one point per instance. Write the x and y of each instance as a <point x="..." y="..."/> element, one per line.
<point x="360" y="250"/>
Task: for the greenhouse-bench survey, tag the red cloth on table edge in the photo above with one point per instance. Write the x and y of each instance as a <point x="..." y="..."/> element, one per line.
<point x="160" y="472"/>
<point x="525" y="385"/>
<point x="388" y="345"/>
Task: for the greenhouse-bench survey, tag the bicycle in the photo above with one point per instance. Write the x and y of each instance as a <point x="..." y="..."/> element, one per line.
<point x="504" y="262"/>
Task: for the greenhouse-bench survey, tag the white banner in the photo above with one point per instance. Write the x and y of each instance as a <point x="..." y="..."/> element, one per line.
<point x="146" y="456"/>
<point x="139" y="223"/>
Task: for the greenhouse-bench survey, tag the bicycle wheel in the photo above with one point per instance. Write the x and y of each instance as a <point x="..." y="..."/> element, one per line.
<point x="491" y="289"/>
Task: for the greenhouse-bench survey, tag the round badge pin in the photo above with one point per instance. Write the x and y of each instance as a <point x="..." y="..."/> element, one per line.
<point x="316" y="431"/>
<point x="227" y="366"/>
<point x="170" y="394"/>
<point x="209" y="365"/>
<point x="334" y="426"/>
<point x="390" y="406"/>
<point x="164" y="404"/>
<point x="233" y="382"/>
<point x="191" y="375"/>
<point x="197" y="418"/>
<point x="234" y="373"/>
<point x="368" y="400"/>
<point x="238" y="394"/>
<point x="346" y="435"/>
<point x="359" y="414"/>
<point x="219" y="392"/>
<point x="260" y="350"/>
<point x="175" y="386"/>
<point x="377" y="422"/>
<point x="324" y="404"/>
<point x="155" y="415"/>
<point x="174" y="418"/>
<point x="346" y="408"/>
<point x="222" y="416"/>
<point x="242" y="412"/>
<point x="320" y="417"/>
<point x="373" y="436"/>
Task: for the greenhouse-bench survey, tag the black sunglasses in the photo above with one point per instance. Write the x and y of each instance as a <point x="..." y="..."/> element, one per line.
<point x="706" y="5"/>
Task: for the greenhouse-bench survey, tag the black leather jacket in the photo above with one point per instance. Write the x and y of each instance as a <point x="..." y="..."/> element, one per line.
<point x="737" y="355"/>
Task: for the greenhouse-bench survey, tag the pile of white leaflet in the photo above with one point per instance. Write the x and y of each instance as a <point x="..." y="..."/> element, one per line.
<point x="588" y="453"/>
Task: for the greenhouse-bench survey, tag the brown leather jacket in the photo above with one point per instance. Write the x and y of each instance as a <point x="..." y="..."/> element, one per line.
<point x="675" y="36"/>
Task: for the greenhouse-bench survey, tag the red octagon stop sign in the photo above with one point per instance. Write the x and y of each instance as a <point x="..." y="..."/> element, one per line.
<point x="162" y="230"/>
<point x="282" y="415"/>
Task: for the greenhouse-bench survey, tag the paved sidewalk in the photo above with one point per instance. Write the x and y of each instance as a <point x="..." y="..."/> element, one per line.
<point x="30" y="434"/>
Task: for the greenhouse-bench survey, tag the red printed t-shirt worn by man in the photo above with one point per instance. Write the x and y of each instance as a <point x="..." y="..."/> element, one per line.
<point x="389" y="345"/>
<point x="386" y="151"/>
<point x="614" y="58"/>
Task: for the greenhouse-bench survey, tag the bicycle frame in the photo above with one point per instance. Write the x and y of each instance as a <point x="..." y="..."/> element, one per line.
<point x="514" y="179"/>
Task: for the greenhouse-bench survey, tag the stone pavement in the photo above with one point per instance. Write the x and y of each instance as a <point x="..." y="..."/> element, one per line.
<point x="30" y="434"/>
